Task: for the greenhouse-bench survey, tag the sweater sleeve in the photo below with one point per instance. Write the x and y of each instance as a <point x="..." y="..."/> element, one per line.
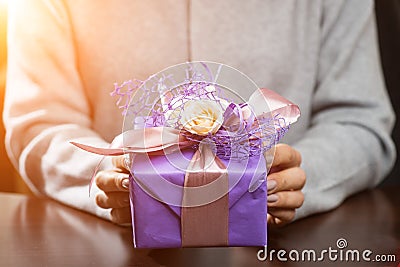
<point x="46" y="106"/>
<point x="348" y="146"/>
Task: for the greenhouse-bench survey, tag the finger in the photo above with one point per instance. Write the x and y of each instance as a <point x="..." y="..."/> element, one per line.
<point x="112" y="200"/>
<point x="270" y="220"/>
<point x="112" y="181"/>
<point x="286" y="180"/>
<point x="286" y="200"/>
<point x="121" y="215"/>
<point x="121" y="162"/>
<point x="285" y="156"/>
<point x="275" y="222"/>
<point x="280" y="217"/>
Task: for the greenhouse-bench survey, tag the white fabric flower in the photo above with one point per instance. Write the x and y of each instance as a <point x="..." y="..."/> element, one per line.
<point x="202" y="117"/>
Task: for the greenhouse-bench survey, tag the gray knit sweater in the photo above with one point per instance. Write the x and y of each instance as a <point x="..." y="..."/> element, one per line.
<point x="64" y="57"/>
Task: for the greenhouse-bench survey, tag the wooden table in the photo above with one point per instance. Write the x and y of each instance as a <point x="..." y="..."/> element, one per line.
<point x="41" y="232"/>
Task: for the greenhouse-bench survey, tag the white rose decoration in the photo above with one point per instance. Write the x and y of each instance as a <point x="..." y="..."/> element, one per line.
<point x="202" y="117"/>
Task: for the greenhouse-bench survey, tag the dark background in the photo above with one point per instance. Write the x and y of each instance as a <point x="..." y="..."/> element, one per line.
<point x="388" y="19"/>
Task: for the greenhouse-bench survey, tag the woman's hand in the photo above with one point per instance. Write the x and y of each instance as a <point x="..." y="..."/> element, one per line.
<point x="285" y="181"/>
<point x="115" y="191"/>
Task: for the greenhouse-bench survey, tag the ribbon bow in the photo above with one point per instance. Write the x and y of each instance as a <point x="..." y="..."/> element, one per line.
<point x="165" y="140"/>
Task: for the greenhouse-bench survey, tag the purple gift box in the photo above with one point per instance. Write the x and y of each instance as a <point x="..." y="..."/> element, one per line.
<point x="183" y="134"/>
<point x="157" y="224"/>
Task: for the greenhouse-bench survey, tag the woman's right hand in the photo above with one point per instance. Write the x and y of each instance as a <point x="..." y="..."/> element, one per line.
<point x="114" y="195"/>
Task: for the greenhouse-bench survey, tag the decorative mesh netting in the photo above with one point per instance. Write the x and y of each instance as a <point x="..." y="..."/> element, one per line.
<point x="160" y="101"/>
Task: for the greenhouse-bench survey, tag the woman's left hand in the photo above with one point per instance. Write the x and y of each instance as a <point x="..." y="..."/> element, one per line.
<point x="285" y="181"/>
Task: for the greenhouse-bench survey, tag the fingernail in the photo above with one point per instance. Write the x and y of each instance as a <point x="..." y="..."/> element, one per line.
<point x="125" y="183"/>
<point x="123" y="175"/>
<point x="271" y="185"/>
<point x="272" y="198"/>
